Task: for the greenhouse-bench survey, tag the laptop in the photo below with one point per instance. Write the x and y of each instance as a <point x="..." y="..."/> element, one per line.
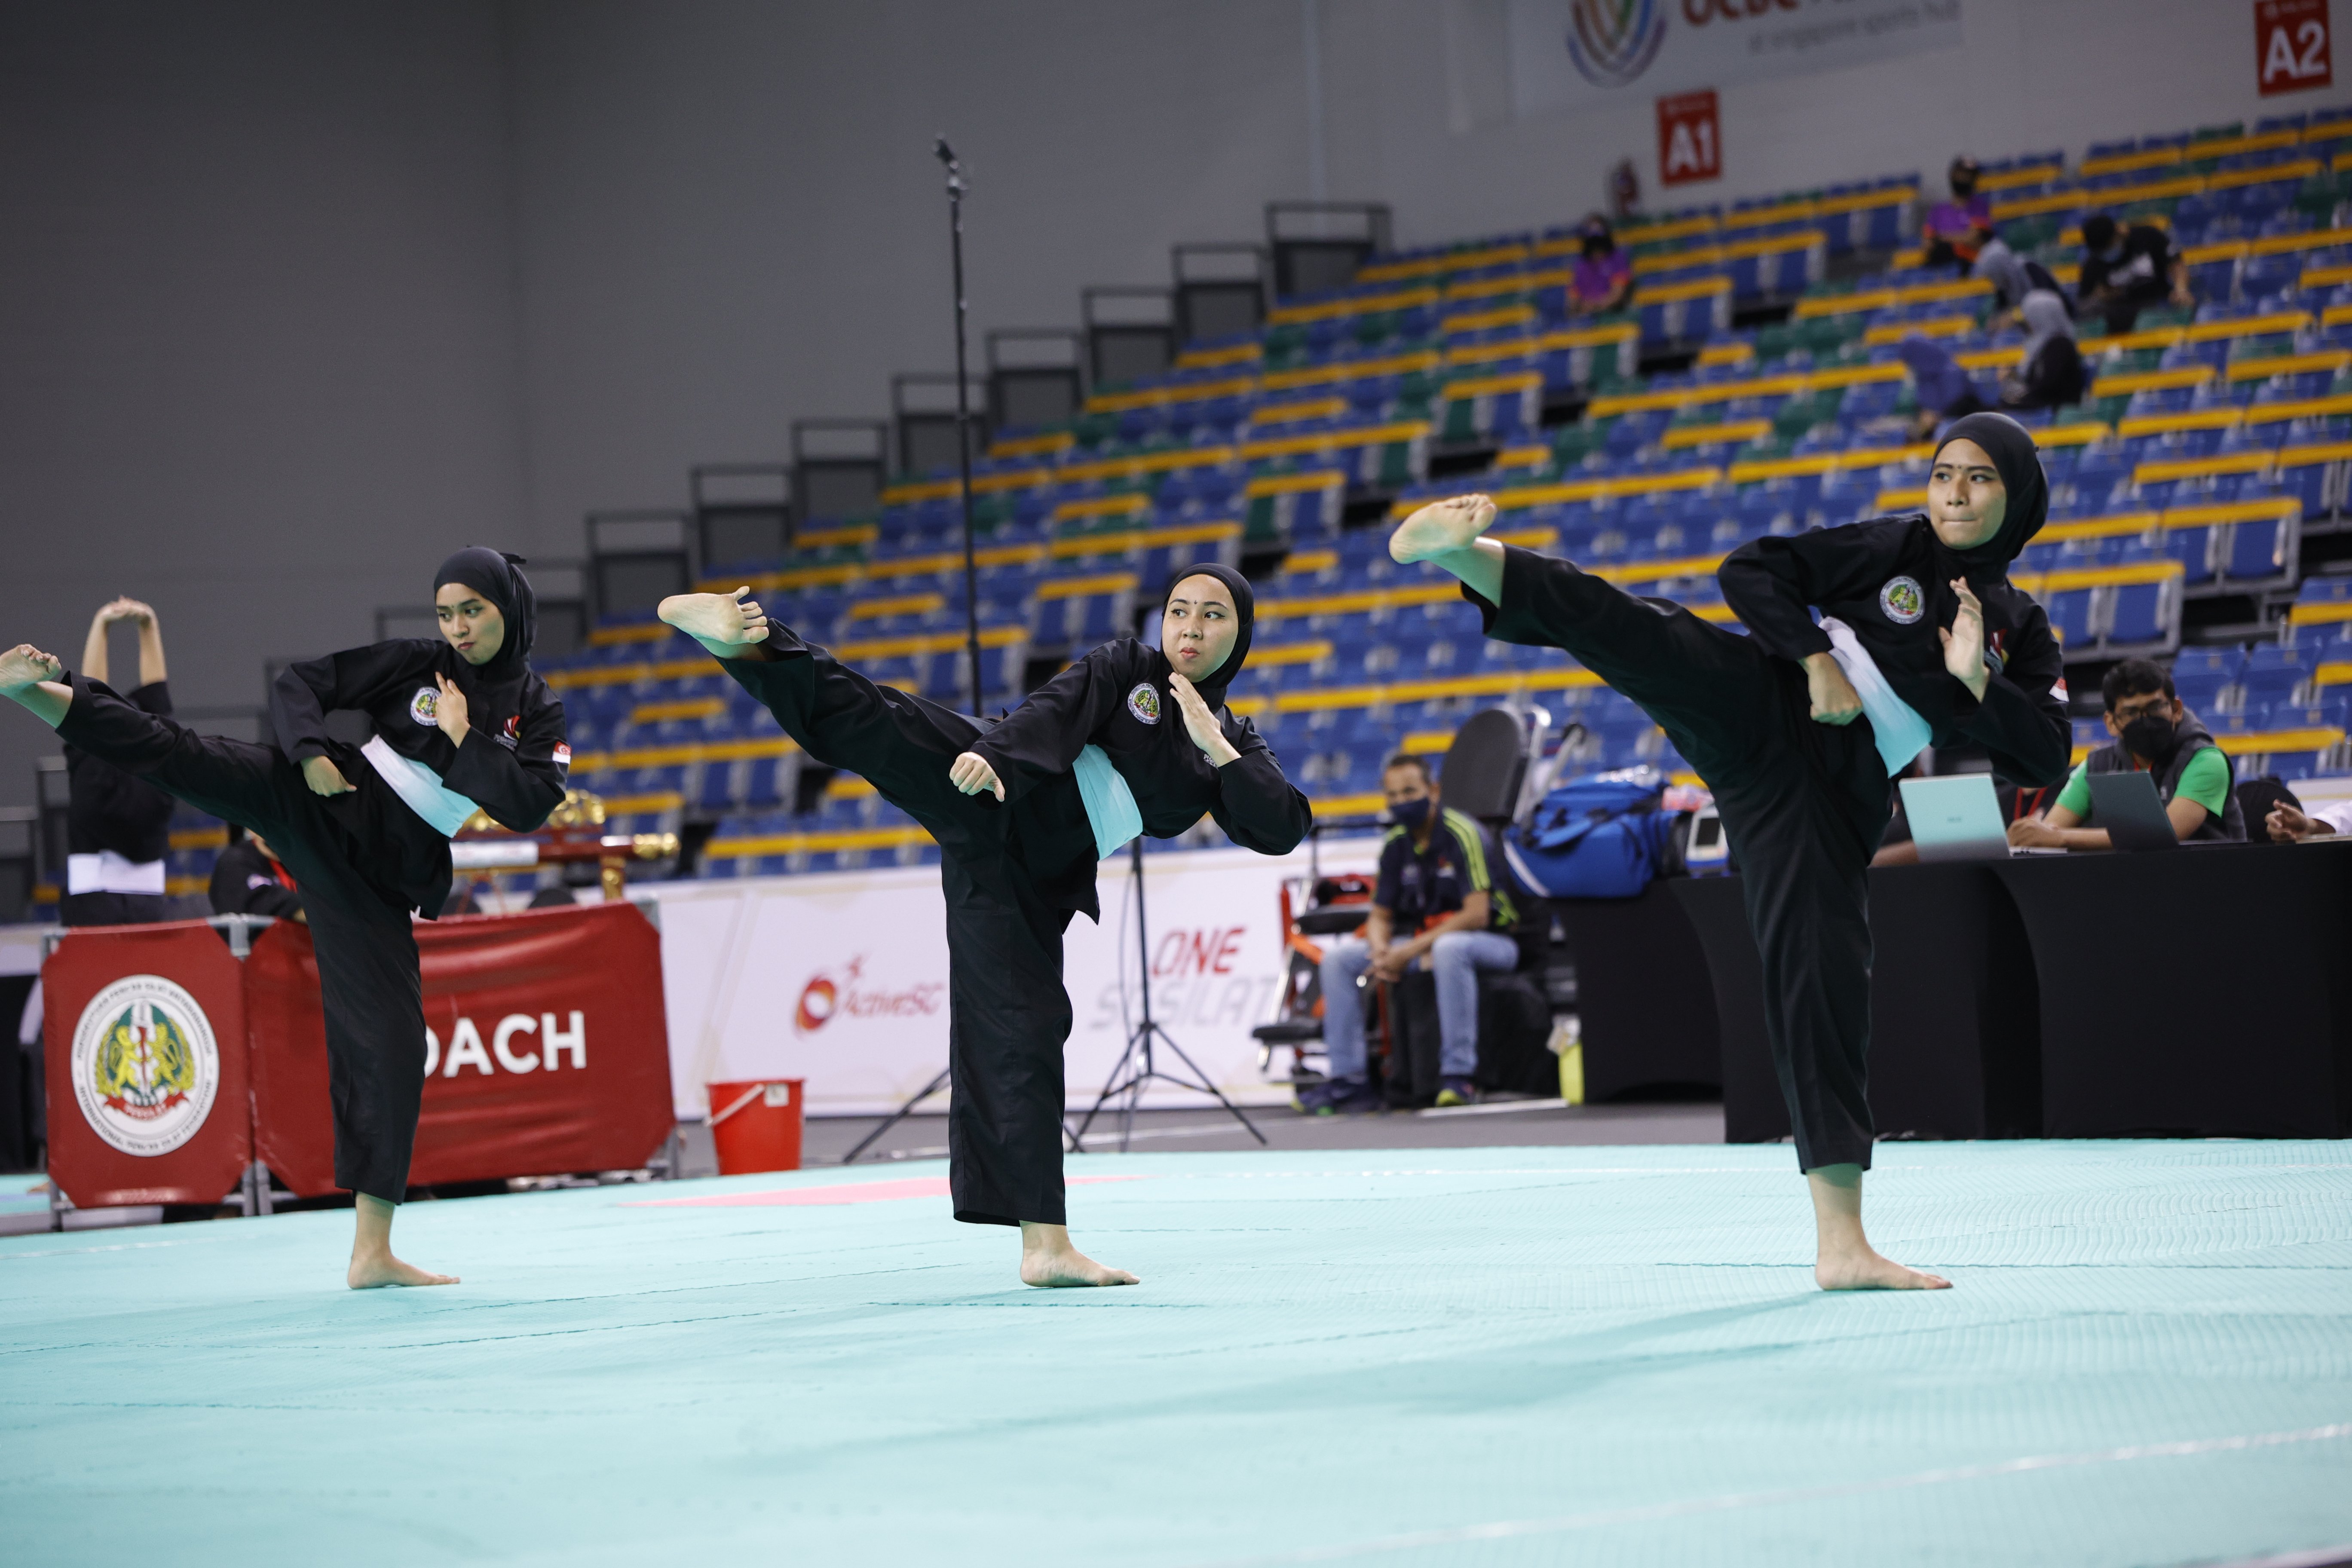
<point x="2128" y="807"/>
<point x="1957" y="817"/>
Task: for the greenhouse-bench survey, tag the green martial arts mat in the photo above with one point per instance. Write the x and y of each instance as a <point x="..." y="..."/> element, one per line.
<point x="1486" y="1357"/>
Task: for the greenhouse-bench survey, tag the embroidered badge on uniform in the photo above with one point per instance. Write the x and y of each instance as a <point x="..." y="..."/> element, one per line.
<point x="1902" y="601"/>
<point x="561" y="756"/>
<point x="425" y="707"/>
<point x="1144" y="702"/>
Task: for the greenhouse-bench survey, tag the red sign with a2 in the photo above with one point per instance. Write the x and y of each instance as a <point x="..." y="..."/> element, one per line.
<point x="2290" y="46"/>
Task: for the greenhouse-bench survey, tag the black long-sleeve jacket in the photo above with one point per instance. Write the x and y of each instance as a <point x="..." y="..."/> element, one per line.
<point x="1117" y="698"/>
<point x="1890" y="580"/>
<point x="108" y="808"/>
<point x="512" y="765"/>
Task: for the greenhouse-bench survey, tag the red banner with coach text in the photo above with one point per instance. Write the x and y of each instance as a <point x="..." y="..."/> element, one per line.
<point x="546" y="1051"/>
<point x="143" y="1035"/>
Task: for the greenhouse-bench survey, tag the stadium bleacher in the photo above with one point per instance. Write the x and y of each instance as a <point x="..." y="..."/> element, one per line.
<point x="2209" y="442"/>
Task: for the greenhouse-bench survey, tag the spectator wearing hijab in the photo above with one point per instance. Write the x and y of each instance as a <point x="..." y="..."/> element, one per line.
<point x="1956" y="230"/>
<point x="1603" y="281"/>
<point x="2012" y="278"/>
<point x="2050" y="372"/>
<point x="2126" y="270"/>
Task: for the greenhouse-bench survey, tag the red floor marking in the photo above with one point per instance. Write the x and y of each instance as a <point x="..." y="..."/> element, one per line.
<point x="846" y="1193"/>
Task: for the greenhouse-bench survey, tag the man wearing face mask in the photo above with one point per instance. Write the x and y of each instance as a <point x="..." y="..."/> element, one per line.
<point x="2126" y="271"/>
<point x="1602" y="279"/>
<point x="2155" y="733"/>
<point x="1957" y="230"/>
<point x="1436" y="905"/>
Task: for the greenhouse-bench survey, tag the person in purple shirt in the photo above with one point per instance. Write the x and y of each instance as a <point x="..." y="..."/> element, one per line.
<point x="1603" y="278"/>
<point x="1956" y="230"/>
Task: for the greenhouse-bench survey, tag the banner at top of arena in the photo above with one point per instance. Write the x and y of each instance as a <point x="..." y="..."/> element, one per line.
<point x="1572" y="55"/>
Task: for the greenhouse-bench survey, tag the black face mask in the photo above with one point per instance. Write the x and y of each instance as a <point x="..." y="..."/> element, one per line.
<point x="1597" y="244"/>
<point x="1412" y="814"/>
<point x="2150" y="736"/>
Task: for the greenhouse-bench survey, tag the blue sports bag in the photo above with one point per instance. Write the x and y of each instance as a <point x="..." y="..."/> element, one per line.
<point x="1601" y="835"/>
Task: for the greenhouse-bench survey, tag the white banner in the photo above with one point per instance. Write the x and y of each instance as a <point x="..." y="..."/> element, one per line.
<point x="1569" y="54"/>
<point x="841" y="979"/>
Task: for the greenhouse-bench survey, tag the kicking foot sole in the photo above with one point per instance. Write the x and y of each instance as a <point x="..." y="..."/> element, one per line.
<point x="1441" y="527"/>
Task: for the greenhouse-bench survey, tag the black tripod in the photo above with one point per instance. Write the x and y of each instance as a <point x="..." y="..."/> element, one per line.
<point x="1136" y="1065"/>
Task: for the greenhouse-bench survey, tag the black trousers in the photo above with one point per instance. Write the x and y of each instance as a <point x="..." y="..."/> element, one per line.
<point x="1008" y="1014"/>
<point x="374" y="1000"/>
<point x="1804" y="804"/>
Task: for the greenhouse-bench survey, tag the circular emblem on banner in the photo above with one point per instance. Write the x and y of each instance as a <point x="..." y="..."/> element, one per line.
<point x="1144" y="702"/>
<point x="425" y="707"/>
<point x="1902" y="601"/>
<point x="146" y="1065"/>
<point x="817" y="1002"/>
<point x="1614" y="41"/>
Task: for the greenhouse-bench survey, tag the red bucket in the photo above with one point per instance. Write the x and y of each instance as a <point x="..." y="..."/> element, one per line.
<point x="756" y="1126"/>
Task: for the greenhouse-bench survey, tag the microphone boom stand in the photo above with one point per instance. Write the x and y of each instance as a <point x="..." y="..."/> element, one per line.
<point x="956" y="187"/>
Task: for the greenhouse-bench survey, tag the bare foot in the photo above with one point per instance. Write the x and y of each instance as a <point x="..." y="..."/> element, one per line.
<point x="1866" y="1271"/>
<point x="728" y="619"/>
<point x="1049" y="1260"/>
<point x="376" y="1269"/>
<point x="25" y="666"/>
<point x="1441" y="527"/>
<point x="1845" y="1259"/>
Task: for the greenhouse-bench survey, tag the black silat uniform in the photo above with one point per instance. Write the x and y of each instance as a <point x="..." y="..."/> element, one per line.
<point x="109" y="811"/>
<point x="1804" y="803"/>
<point x="366" y="858"/>
<point x="1014" y="873"/>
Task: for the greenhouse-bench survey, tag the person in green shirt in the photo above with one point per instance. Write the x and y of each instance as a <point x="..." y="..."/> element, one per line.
<point x="2154" y="733"/>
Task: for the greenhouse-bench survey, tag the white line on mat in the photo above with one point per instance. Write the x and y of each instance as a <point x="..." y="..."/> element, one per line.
<point x="1503" y="1529"/>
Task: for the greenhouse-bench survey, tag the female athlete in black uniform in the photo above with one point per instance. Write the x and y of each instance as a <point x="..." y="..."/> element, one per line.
<point x="1798" y="727"/>
<point x="459" y="724"/>
<point x="1128" y="740"/>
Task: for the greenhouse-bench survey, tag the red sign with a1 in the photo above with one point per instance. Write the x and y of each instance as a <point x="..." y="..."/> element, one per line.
<point x="1690" y="138"/>
<point x="2290" y="46"/>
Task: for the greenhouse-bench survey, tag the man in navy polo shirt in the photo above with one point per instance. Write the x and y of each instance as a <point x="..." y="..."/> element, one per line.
<point x="1437" y="905"/>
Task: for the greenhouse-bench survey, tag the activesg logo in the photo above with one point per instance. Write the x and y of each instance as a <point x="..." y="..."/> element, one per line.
<point x="827" y="996"/>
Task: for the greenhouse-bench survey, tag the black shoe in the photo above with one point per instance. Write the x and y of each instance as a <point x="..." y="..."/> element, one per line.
<point x="1349" y="1097"/>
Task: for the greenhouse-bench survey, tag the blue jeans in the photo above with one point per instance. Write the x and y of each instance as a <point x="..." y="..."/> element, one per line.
<point x="1454" y="958"/>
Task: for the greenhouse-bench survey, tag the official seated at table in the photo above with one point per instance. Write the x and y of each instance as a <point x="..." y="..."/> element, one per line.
<point x="248" y="880"/>
<point x="2297" y="824"/>
<point x="1437" y="883"/>
<point x="2154" y="733"/>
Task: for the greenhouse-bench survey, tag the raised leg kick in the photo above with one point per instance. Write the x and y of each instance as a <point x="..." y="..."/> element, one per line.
<point x="1797" y="799"/>
<point x="1009" y="1013"/>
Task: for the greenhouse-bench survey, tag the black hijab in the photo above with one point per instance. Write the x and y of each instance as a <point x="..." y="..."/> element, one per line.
<point x="1213" y="691"/>
<point x="2014" y="455"/>
<point x="497" y="577"/>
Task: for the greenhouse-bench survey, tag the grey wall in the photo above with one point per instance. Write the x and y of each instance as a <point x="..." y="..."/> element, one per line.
<point x="731" y="217"/>
<point x="294" y="298"/>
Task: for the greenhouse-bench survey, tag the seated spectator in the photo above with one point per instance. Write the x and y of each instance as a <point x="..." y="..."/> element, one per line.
<point x="2297" y="823"/>
<point x="2126" y="270"/>
<point x="1957" y="230"/>
<point x="2048" y="374"/>
<point x="2155" y="733"/>
<point x="248" y="880"/>
<point x="1437" y="883"/>
<point x="2012" y="278"/>
<point x="1603" y="281"/>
